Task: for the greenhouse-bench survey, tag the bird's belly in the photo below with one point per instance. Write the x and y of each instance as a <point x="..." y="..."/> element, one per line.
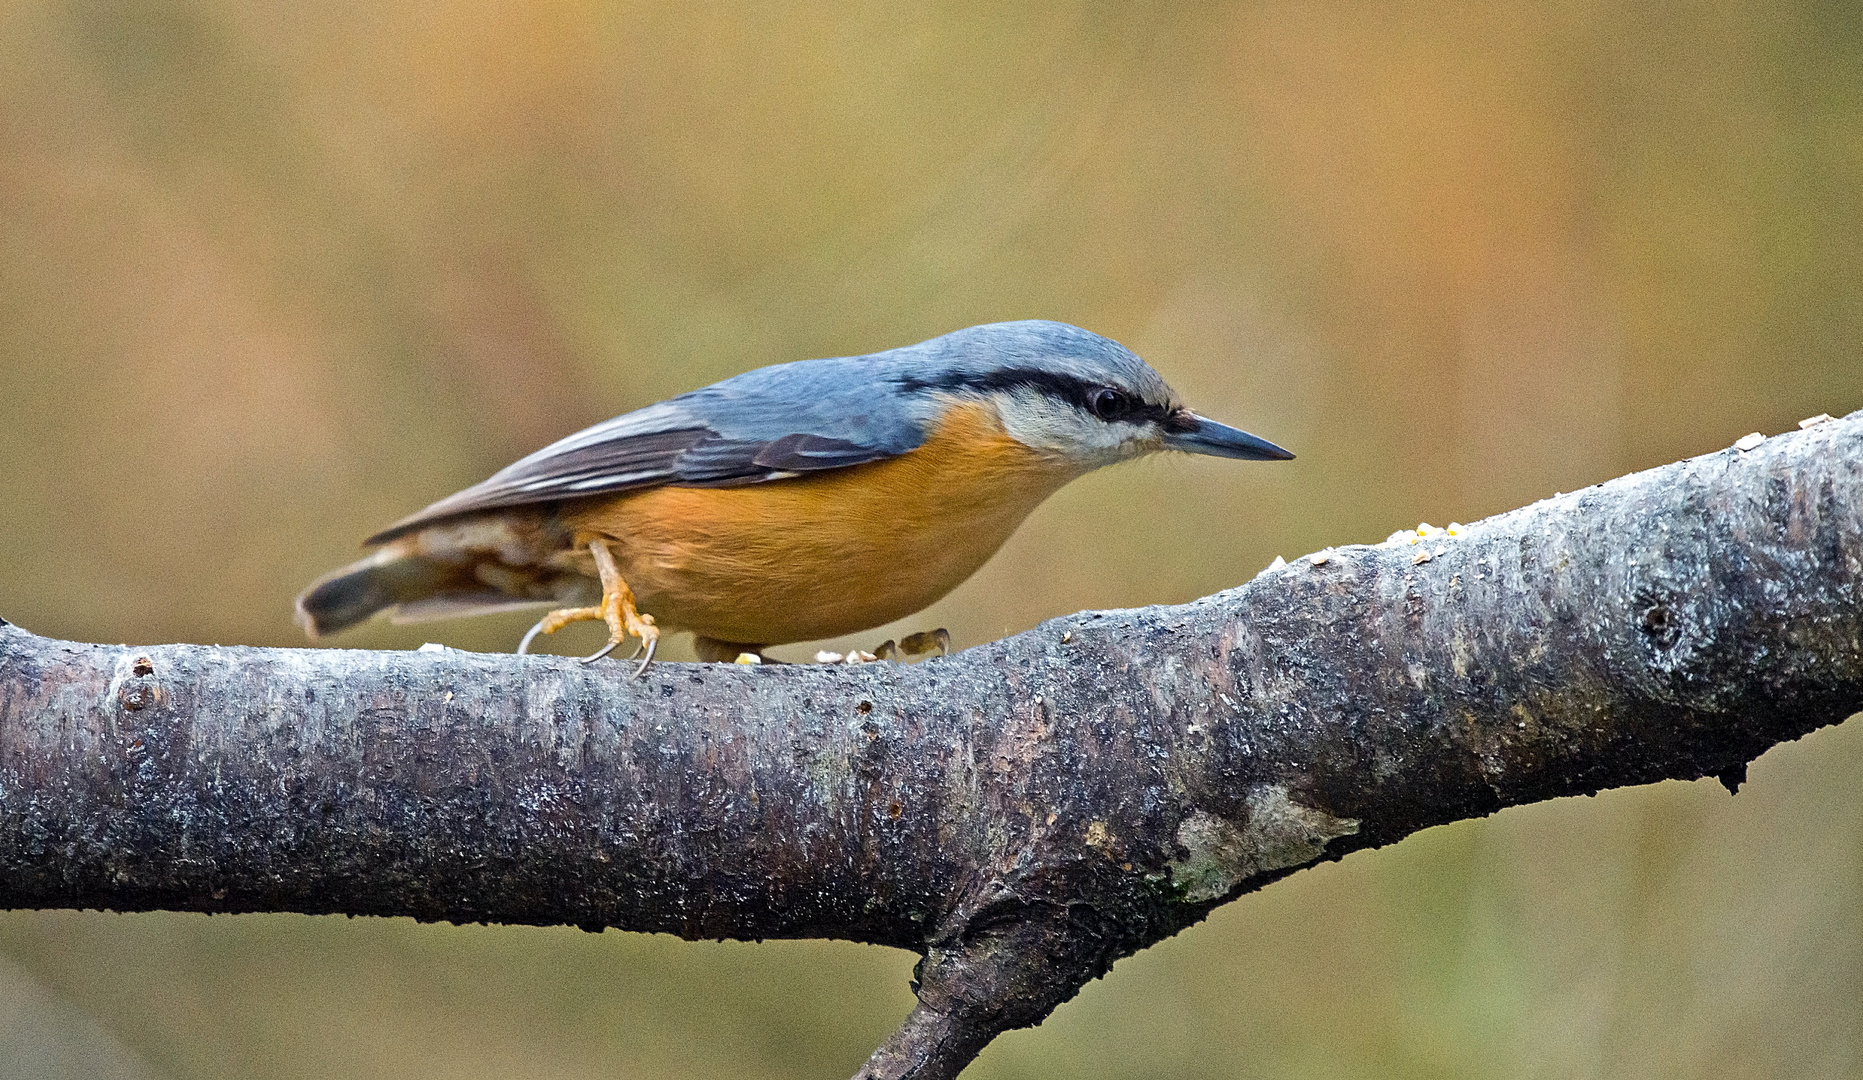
<point x="817" y="556"/>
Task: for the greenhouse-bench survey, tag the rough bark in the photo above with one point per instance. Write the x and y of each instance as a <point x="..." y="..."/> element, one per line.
<point x="1023" y="813"/>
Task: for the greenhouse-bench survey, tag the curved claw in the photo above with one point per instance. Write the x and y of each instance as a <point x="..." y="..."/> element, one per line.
<point x="604" y="651"/>
<point x="652" y="644"/>
<point x="530" y="636"/>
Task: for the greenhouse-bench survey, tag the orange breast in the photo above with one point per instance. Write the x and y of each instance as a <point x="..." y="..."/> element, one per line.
<point x="832" y="553"/>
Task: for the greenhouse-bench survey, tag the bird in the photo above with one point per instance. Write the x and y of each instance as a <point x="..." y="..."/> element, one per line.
<point x="800" y="501"/>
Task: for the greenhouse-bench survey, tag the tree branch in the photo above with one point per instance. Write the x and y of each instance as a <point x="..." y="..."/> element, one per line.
<point x="1023" y="813"/>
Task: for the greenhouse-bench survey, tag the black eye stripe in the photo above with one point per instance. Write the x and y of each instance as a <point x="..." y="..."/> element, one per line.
<point x="1147" y="413"/>
<point x="1074" y="391"/>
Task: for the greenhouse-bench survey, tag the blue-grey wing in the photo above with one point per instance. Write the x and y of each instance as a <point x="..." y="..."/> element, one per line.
<point x="768" y="424"/>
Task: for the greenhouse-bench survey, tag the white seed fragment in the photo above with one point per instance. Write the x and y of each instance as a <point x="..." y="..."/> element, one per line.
<point x="861" y="656"/>
<point x="1422" y="557"/>
<point x="748" y="658"/>
<point x="1278" y="564"/>
<point x="1320" y="558"/>
<point x="1748" y="442"/>
<point x="431" y="646"/>
<point x="1814" y="421"/>
<point x="826" y="657"/>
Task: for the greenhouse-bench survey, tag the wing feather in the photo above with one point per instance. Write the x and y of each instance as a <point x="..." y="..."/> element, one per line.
<point x="766" y="425"/>
<point x="805" y="453"/>
<point x="621" y="463"/>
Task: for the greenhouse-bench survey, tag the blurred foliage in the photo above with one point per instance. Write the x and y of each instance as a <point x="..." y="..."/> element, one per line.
<point x="273" y="275"/>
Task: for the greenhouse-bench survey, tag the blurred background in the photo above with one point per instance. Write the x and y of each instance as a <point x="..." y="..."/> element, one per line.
<point x="274" y="274"/>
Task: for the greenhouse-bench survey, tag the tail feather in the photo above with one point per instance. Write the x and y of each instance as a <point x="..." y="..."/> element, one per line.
<point x="463" y="605"/>
<point x="386" y="579"/>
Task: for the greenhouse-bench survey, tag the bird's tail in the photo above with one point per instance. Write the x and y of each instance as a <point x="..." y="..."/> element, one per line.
<point x="420" y="584"/>
<point x="386" y="579"/>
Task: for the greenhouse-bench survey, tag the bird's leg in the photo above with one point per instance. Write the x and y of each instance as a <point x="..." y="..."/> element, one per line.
<point x="616" y="609"/>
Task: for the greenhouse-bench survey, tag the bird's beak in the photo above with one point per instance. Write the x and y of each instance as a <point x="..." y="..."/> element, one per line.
<point x="1195" y="434"/>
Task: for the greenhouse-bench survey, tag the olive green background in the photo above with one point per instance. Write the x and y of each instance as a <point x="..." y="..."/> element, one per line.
<point x="273" y="274"/>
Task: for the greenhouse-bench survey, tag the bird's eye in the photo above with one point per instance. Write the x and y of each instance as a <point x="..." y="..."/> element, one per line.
<point x="1109" y="404"/>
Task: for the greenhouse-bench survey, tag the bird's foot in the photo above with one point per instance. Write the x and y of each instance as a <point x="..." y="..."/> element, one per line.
<point x="554" y="621"/>
<point x="616" y="609"/>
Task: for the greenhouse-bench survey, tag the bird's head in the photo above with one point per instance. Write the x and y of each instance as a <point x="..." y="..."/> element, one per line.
<point x="1067" y="392"/>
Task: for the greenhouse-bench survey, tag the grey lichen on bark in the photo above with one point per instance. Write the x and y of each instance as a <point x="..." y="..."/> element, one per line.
<point x="1021" y="814"/>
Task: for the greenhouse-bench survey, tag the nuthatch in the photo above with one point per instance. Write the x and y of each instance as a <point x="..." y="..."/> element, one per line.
<point x="795" y="502"/>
